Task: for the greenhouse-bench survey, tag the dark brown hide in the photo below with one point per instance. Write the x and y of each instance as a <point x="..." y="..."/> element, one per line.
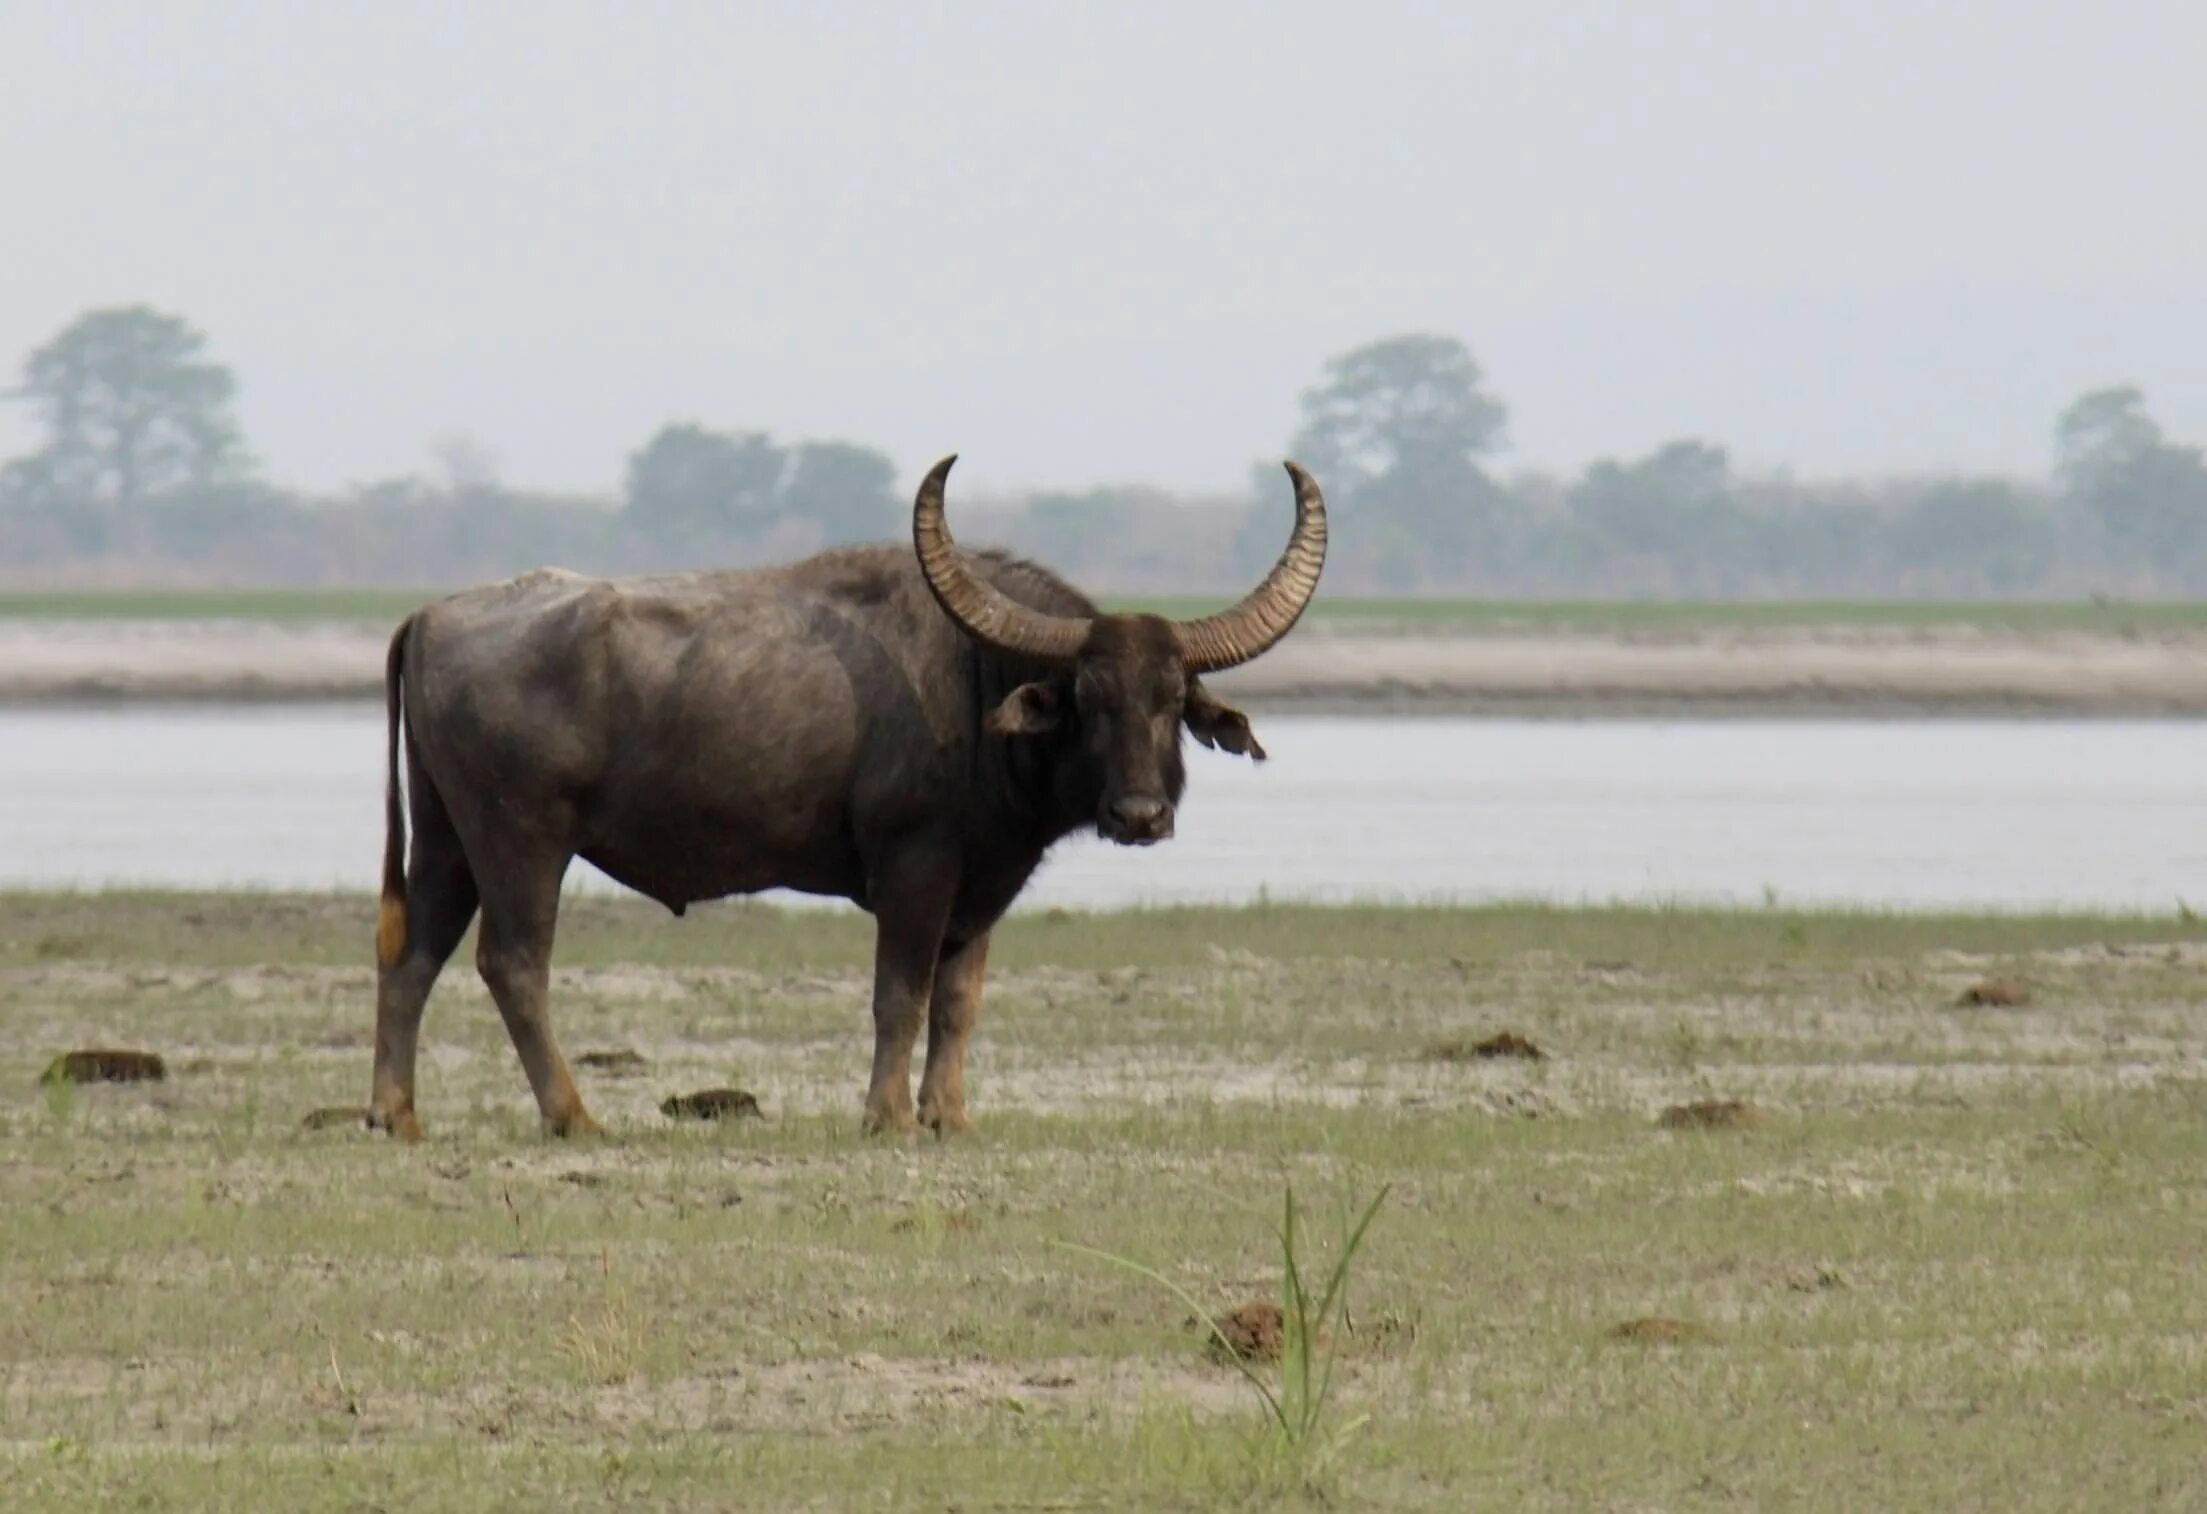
<point x="823" y="726"/>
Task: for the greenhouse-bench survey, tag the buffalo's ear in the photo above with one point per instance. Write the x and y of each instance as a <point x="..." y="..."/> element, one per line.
<point x="1220" y="725"/>
<point x="1028" y="710"/>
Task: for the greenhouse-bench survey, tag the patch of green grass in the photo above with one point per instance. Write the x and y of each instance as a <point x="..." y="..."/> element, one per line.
<point x="221" y="930"/>
<point x="1648" y="617"/>
<point x="283" y="606"/>
<point x="1958" y="1264"/>
<point x="2113" y="617"/>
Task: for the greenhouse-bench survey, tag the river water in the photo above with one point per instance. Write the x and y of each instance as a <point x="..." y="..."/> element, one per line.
<point x="1903" y="814"/>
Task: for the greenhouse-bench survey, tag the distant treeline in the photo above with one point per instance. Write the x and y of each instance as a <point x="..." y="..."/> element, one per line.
<point x="144" y="478"/>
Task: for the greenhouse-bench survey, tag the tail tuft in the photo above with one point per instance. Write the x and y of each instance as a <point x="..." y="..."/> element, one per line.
<point x="390" y="930"/>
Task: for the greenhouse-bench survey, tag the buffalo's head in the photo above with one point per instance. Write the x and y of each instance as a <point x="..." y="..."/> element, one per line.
<point x="1125" y="685"/>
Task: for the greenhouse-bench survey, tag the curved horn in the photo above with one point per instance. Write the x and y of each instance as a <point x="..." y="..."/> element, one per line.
<point x="980" y="609"/>
<point x="1232" y="637"/>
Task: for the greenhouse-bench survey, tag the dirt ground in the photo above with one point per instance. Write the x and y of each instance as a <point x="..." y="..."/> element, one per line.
<point x="1954" y="1259"/>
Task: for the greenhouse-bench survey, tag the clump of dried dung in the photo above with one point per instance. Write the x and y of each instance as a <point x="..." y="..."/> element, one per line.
<point x="1713" y="1114"/>
<point x="105" y="1065"/>
<point x="1256" y="1332"/>
<point x="713" y="1104"/>
<point x="1656" y="1330"/>
<point x="1504" y="1043"/>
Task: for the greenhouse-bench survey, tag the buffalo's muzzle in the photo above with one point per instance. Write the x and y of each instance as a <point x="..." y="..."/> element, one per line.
<point x="1136" y="821"/>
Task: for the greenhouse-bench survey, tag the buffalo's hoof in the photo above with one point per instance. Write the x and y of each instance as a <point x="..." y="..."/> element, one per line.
<point x="578" y="1123"/>
<point x="890" y="1122"/>
<point x="944" y="1120"/>
<point x="401" y="1123"/>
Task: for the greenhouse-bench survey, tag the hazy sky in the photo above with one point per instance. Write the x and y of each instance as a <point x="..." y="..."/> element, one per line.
<point x="1113" y="241"/>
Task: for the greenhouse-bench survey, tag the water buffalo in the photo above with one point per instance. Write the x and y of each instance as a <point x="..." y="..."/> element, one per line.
<point x="909" y="730"/>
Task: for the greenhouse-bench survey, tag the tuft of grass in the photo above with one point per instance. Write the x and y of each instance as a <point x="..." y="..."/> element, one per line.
<point x="605" y="1345"/>
<point x="2090" y="1130"/>
<point x="61" y="1099"/>
<point x="1314" y="1324"/>
<point x="1686" y="1045"/>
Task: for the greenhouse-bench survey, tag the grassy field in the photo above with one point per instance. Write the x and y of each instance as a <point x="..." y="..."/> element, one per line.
<point x="1959" y="1264"/>
<point x="283" y="606"/>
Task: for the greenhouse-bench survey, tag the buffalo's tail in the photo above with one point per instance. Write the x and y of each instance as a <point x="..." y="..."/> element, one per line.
<point x="390" y="932"/>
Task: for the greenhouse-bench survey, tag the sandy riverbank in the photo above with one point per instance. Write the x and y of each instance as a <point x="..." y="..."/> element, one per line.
<point x="1852" y="669"/>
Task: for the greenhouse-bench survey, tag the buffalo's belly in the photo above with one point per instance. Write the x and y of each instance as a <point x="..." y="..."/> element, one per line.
<point x="678" y="885"/>
<point x="693" y="849"/>
<point x="729" y="771"/>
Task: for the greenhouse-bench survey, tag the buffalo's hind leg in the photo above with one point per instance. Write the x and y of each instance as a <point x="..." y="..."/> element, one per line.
<point x="513" y="952"/>
<point x="440" y="902"/>
<point x="951" y="1014"/>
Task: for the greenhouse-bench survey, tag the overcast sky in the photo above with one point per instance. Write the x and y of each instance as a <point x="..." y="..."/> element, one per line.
<point x="1112" y="242"/>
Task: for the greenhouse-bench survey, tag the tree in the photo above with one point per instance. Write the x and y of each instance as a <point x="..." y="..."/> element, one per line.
<point x="1073" y="530"/>
<point x="1971" y="534"/>
<point x="1676" y="504"/>
<point x="2148" y="495"/>
<point x="2103" y="432"/>
<point x="465" y="467"/>
<point x="1394" y="431"/>
<point x="692" y="481"/>
<point x="848" y="491"/>
<point x="1404" y="405"/>
<point x="133" y="410"/>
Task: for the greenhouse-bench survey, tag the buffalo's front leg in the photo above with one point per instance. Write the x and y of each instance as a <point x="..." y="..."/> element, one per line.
<point x="912" y="905"/>
<point x="951" y="1014"/>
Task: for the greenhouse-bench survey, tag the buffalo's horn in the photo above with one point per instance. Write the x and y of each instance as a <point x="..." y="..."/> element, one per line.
<point x="1232" y="637"/>
<point x="981" y="611"/>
